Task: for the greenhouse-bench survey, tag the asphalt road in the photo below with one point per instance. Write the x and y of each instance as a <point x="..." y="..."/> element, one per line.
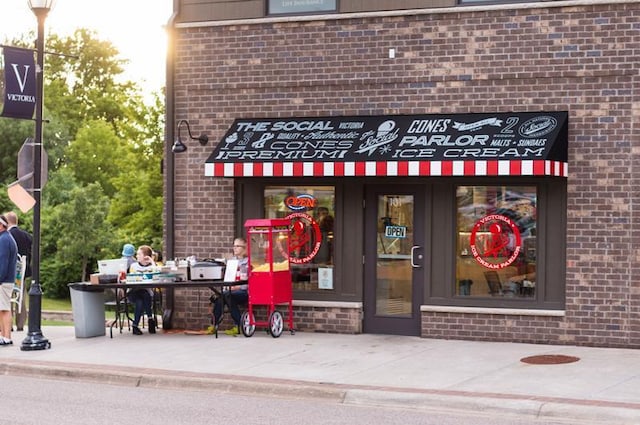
<point x="32" y="401"/>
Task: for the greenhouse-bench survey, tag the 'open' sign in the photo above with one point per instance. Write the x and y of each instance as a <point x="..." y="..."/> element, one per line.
<point x="395" y="231"/>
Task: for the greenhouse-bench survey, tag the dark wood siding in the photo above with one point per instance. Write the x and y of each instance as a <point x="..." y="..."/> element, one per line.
<point x="222" y="10"/>
<point x="348" y="6"/>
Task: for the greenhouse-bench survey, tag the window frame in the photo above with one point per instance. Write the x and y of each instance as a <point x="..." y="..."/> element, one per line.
<point x="515" y="203"/>
<point x="347" y="280"/>
<point x="305" y="275"/>
<point x="488" y="2"/>
<point x="551" y="230"/>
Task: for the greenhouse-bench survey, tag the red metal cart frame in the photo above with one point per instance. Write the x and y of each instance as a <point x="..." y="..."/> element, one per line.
<point x="269" y="275"/>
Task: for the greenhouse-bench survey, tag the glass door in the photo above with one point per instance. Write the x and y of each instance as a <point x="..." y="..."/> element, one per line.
<point x="394" y="260"/>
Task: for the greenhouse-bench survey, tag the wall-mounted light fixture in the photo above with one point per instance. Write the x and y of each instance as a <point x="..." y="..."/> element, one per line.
<point x="179" y="146"/>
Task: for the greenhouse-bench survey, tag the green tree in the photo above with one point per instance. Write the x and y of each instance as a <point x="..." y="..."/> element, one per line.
<point x="136" y="208"/>
<point x="77" y="234"/>
<point x="97" y="154"/>
<point x="126" y="161"/>
<point x="13" y="133"/>
<point x="85" y="87"/>
<point x="105" y="146"/>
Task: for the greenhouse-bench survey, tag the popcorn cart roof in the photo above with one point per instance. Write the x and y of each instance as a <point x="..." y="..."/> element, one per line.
<point x="267" y="222"/>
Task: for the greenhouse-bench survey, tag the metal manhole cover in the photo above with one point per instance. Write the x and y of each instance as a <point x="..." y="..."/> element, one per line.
<point x="549" y="359"/>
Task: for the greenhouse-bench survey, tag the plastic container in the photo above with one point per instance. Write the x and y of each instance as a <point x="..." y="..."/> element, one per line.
<point x="88" y="312"/>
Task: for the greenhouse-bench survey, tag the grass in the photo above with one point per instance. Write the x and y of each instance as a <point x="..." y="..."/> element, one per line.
<point x="51" y="304"/>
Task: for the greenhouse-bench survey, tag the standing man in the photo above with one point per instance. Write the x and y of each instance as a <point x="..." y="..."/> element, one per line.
<point x="8" y="263"/>
<point x="24" y="242"/>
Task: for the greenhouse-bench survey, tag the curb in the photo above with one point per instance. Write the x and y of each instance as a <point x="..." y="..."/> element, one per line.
<point x="523" y="406"/>
<point x="594" y="411"/>
<point x="153" y="378"/>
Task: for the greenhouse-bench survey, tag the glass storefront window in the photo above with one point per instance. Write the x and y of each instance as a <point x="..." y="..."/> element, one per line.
<point x="496" y="246"/>
<point x="311" y="210"/>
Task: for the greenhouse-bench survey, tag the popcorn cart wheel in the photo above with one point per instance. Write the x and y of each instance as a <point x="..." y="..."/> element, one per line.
<point x="275" y="324"/>
<point x="269" y="276"/>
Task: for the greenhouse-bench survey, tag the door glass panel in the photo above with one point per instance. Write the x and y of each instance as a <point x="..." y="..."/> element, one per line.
<point x="393" y="262"/>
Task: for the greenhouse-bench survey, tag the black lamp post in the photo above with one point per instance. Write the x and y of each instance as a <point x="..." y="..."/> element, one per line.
<point x="35" y="340"/>
<point x="179" y="146"/>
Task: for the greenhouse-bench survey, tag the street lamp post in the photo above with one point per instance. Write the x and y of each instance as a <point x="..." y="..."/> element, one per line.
<point x="35" y="340"/>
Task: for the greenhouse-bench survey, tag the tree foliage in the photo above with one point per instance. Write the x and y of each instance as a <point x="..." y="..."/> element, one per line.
<point x="105" y="145"/>
<point x="78" y="231"/>
<point x="85" y="88"/>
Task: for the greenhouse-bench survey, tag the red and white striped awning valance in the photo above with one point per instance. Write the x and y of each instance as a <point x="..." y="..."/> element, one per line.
<point x="389" y="168"/>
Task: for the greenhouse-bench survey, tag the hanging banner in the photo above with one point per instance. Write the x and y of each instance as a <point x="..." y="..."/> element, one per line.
<point x="20" y="83"/>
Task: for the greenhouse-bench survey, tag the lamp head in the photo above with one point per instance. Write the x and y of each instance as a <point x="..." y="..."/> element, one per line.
<point x="41" y="6"/>
<point x="179" y="146"/>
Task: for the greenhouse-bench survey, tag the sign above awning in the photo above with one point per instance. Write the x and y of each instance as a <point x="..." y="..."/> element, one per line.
<point x="503" y="144"/>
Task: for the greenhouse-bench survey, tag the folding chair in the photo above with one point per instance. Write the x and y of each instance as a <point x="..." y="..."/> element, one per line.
<point x="18" y="288"/>
<point x="225" y="310"/>
<point x="156" y="305"/>
<point x="494" y="283"/>
<point x="496" y="287"/>
<point x="118" y="300"/>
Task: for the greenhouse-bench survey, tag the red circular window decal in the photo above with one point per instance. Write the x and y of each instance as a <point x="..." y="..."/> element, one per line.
<point x="495" y="241"/>
<point x="305" y="238"/>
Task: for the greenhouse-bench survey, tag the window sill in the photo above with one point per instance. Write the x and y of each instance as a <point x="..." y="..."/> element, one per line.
<point x="486" y="310"/>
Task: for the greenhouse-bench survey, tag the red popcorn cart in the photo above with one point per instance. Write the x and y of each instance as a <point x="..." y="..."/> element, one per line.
<point x="269" y="274"/>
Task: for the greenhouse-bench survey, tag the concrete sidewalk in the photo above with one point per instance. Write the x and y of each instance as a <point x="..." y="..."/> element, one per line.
<point x="602" y="387"/>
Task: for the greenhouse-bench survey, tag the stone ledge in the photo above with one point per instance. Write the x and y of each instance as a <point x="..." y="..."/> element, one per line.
<point x="327" y="304"/>
<point x="57" y="315"/>
<point x="486" y="310"/>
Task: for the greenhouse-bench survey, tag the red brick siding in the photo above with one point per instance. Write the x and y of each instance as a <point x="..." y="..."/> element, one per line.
<point x="583" y="59"/>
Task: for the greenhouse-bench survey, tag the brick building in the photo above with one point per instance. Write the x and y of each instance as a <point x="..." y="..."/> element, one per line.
<point x="476" y="161"/>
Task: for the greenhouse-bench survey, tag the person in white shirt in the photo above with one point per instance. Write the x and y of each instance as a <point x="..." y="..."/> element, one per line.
<point x="141" y="298"/>
<point x="237" y="294"/>
<point x="24" y="241"/>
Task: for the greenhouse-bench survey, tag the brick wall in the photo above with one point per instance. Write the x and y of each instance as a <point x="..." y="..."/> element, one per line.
<point x="496" y="327"/>
<point x="328" y="319"/>
<point x="192" y="311"/>
<point x="581" y="58"/>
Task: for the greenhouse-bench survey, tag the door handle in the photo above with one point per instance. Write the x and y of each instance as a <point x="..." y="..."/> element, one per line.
<point x="413" y="256"/>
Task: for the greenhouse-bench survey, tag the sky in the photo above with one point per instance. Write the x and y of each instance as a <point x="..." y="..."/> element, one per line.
<point x="135" y="27"/>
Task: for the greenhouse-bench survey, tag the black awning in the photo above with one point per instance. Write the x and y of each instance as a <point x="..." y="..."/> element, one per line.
<point x="511" y="144"/>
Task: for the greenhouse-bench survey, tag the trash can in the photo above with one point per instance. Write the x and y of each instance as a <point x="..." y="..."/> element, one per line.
<point x="87" y="304"/>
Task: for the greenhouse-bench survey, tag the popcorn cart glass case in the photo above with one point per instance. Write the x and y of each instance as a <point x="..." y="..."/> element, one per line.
<point x="269" y="274"/>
